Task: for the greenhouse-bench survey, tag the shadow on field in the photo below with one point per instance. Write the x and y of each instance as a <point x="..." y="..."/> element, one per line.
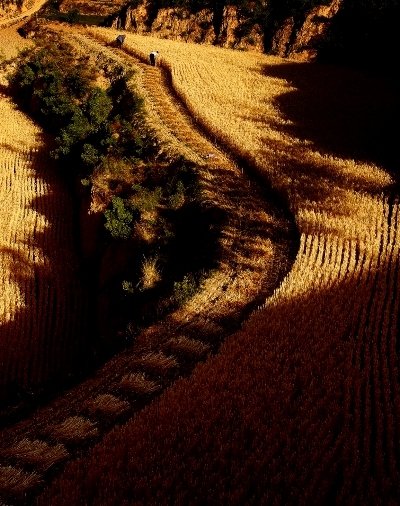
<point x="343" y="112"/>
<point x="295" y="409"/>
<point x="43" y="342"/>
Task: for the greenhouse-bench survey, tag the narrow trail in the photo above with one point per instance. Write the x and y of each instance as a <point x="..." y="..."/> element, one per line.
<point x="256" y="248"/>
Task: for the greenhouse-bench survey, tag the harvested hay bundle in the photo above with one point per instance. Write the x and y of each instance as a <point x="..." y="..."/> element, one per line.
<point x="36" y="453"/>
<point x="16" y="481"/>
<point x="73" y="430"/>
<point x="138" y="383"/>
<point x="107" y="405"/>
<point x="187" y="346"/>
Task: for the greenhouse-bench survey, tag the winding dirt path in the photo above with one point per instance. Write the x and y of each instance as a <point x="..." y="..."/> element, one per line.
<point x="255" y="251"/>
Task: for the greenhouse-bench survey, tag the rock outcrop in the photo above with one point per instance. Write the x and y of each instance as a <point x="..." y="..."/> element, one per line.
<point x="199" y="27"/>
<point x="97" y="8"/>
<point x="299" y="42"/>
<point x="9" y="8"/>
<point x="294" y="39"/>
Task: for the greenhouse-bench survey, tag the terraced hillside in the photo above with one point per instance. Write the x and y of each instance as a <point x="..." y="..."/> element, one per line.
<point x="253" y="256"/>
<point x="301" y="406"/>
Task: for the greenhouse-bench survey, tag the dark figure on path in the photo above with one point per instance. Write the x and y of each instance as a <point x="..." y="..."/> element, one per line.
<point x="153" y="56"/>
<point x="120" y="41"/>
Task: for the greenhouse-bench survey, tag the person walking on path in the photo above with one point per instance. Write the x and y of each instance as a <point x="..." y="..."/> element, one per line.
<point x="153" y="56"/>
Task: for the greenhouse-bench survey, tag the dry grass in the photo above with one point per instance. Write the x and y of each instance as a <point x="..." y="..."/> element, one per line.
<point x="73" y="430"/>
<point x="150" y="273"/>
<point x="108" y="405"/>
<point x="11" y="42"/>
<point x="245" y="241"/>
<point x="158" y="362"/>
<point x="36" y="453"/>
<point x="16" y="481"/>
<point x="331" y="326"/>
<point x="186" y="346"/>
<point x="319" y="361"/>
<point x="248" y="101"/>
<point x="138" y="383"/>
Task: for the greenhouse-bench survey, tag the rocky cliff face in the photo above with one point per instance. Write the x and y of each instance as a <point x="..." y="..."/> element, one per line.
<point x="199" y="27"/>
<point x="298" y="42"/>
<point x="293" y="40"/>
<point x="97" y="8"/>
<point x="10" y="8"/>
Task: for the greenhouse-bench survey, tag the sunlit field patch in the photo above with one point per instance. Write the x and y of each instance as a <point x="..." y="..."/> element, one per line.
<point x="302" y="406"/>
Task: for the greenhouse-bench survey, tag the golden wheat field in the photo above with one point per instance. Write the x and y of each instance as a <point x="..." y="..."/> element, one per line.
<point x="41" y="302"/>
<point x="309" y="399"/>
<point x="240" y="99"/>
<point x="306" y="396"/>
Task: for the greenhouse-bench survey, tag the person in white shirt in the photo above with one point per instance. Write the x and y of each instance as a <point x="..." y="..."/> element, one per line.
<point x="153" y="56"/>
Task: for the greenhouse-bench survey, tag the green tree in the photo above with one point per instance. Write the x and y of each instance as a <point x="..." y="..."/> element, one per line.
<point x="119" y="219"/>
<point x="97" y="108"/>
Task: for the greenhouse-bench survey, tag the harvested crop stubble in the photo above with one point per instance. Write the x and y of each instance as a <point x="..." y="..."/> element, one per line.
<point x="41" y="301"/>
<point x="307" y="391"/>
<point x="249" y="239"/>
<point x="303" y="405"/>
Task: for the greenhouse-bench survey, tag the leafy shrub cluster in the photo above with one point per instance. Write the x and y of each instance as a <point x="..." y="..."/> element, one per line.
<point x="161" y="215"/>
<point x="90" y="123"/>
